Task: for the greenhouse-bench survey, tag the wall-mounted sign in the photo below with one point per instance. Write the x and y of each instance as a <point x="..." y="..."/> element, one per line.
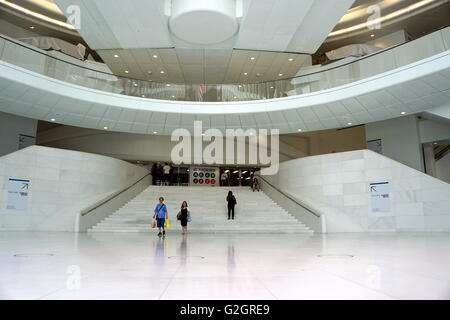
<point x="26" y="141"/>
<point x="375" y="145"/>
<point x="17" y="198"/>
<point x="379" y="194"/>
<point x="203" y="176"/>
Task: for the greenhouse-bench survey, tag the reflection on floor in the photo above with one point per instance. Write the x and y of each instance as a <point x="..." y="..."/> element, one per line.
<point x="201" y="266"/>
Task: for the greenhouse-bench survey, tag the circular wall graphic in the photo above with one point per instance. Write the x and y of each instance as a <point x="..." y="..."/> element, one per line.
<point x="195" y="180"/>
<point x="201" y="174"/>
<point x="207" y="181"/>
<point x="195" y="174"/>
<point x="200" y="181"/>
<point x="213" y="181"/>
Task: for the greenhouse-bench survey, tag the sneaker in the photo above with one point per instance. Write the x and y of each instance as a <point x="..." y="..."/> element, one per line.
<point x="159" y="234"/>
<point x="164" y="233"/>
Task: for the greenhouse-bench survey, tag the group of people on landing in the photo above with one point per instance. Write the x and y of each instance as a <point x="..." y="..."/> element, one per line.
<point x="161" y="214"/>
<point x="162" y="174"/>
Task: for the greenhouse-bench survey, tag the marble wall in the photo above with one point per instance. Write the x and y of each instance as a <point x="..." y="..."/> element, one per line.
<point x="337" y="185"/>
<point x="62" y="184"/>
<point x="11" y="126"/>
<point x="400" y="139"/>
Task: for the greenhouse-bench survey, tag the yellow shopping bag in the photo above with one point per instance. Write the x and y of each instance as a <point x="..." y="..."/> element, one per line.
<point x="167" y="226"/>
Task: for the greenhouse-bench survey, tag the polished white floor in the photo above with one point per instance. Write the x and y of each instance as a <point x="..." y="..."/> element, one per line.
<point x="38" y="265"/>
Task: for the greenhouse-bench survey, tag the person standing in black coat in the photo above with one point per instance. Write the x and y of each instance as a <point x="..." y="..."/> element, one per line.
<point x="231" y="204"/>
<point x="154" y="172"/>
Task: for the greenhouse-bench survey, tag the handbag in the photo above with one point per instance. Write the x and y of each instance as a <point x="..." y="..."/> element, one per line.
<point x="189" y="219"/>
<point x="154" y="223"/>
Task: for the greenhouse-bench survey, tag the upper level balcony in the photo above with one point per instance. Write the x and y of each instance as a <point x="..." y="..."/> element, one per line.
<point x="408" y="78"/>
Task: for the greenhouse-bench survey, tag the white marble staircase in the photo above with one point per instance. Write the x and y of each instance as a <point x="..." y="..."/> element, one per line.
<point x="255" y="212"/>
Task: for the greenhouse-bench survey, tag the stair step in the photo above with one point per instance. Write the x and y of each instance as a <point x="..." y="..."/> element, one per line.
<point x="256" y="212"/>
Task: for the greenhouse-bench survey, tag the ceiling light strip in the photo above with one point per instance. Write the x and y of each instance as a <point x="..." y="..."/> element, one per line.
<point x="37" y="15"/>
<point x="382" y="19"/>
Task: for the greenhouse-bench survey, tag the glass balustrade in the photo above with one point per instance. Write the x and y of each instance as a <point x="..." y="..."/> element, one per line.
<point x="310" y="79"/>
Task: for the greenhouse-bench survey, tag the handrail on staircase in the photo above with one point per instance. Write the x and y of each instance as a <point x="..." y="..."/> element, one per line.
<point x="442" y="153"/>
<point x="112" y="196"/>
<point x="289" y="197"/>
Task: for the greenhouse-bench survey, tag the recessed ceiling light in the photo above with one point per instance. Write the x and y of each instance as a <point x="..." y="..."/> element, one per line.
<point x="149" y="72"/>
<point x="372" y="35"/>
<point x="155" y="56"/>
<point x="155" y="132"/>
<point x="203" y="134"/>
<point x="272" y="87"/>
<point x="280" y="74"/>
<point x="349" y="123"/>
<point x="290" y="59"/>
<point x="245" y="73"/>
<point x="162" y="72"/>
<point x="53" y="119"/>
<point x="116" y="56"/>
<point x="135" y="84"/>
<point x="299" y="130"/>
<point x="173" y="96"/>
<point x="240" y="86"/>
<point x="32" y="27"/>
<point x="126" y="71"/>
<point x="143" y="96"/>
<point x="403" y="112"/>
<point x="434" y="142"/>
<point x="168" y="85"/>
<point x="106" y="128"/>
<point x="252" y="58"/>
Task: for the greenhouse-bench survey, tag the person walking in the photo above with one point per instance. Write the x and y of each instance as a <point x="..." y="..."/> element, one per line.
<point x="231" y="204"/>
<point x="255" y="184"/>
<point x="161" y="214"/>
<point x="183" y="215"/>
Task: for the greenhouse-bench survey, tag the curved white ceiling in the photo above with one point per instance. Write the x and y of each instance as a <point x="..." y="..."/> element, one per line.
<point x="413" y="88"/>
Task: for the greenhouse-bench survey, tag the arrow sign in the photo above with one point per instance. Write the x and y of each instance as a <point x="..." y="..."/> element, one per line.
<point x="379" y="194"/>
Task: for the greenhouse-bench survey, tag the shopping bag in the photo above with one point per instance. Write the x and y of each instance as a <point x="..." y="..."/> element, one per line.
<point x="154" y="223"/>
<point x="167" y="224"/>
<point x="189" y="219"/>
